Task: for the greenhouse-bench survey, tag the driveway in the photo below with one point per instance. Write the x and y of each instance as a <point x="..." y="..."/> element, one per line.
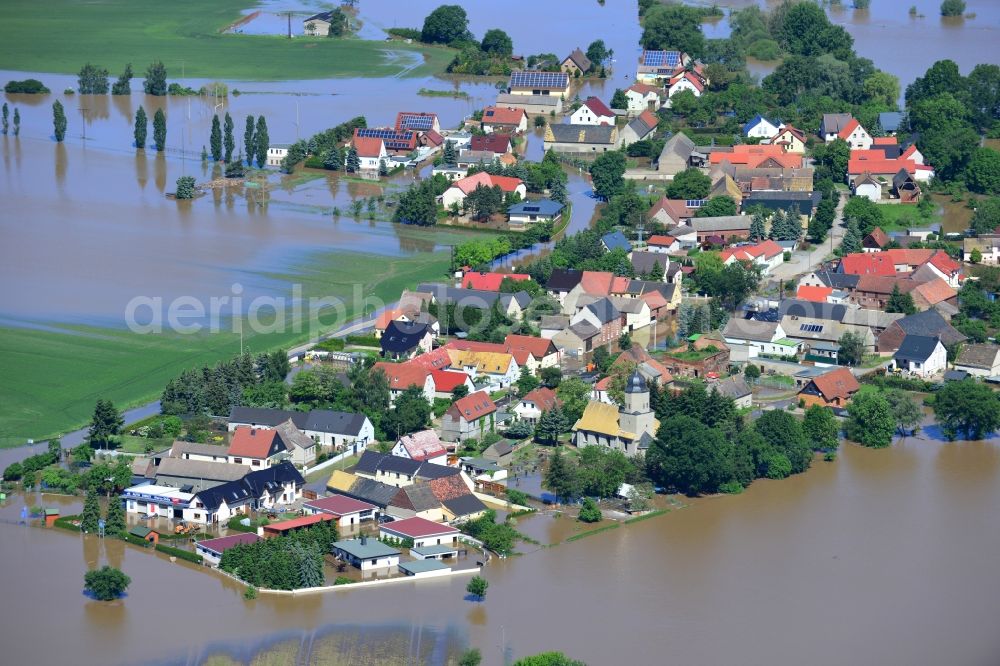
<point x="802" y="261"/>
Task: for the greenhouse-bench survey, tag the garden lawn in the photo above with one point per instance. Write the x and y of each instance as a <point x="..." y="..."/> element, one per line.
<point x="900" y="216"/>
<point x="52" y="378"/>
<point x="61" y="35"/>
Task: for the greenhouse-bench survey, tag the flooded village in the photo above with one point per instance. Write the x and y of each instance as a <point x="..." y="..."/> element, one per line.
<point x="479" y="330"/>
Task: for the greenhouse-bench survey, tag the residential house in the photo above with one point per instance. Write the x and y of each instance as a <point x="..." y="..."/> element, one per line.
<point x="756" y="156"/>
<point x="841" y="281"/>
<point x="867" y="186"/>
<point x="684" y="81"/>
<point x="199" y="451"/>
<point x="401" y="376"/>
<point x="535" y="403"/>
<point x="541" y="104"/>
<point x="286" y="527"/>
<point x="905" y="187"/>
<point x="490" y="281"/>
<point x="726" y="186"/>
<point x="505" y="120"/>
<point x="532" y="352"/>
<point x="415" y="500"/>
<point x="256" y="447"/>
<point x="650" y="263"/>
<point x="422" y="532"/>
<point x="933" y="293"/>
<point x="497" y="144"/>
<point x="404" y="340"/>
<point x="500" y="453"/>
<point x="792" y="139"/>
<point x="524" y="213"/>
<point x="301" y="446"/>
<point x="422" y="446"/>
<point x="658" y="66"/>
<point x="347" y="511"/>
<point x="663" y="244"/>
<point x="979" y="360"/>
<point x="856" y="136"/>
<point x="446" y="381"/>
<point x="988" y="246"/>
<point x="929" y="323"/>
<point x="768" y="255"/>
<point x="749" y="338"/>
<point x="643" y="97"/>
<point x="921" y="355"/>
<point x="366" y="554"/>
<point x="736" y="389"/>
<point x="815" y="294"/>
<point x="318" y="25"/>
<point x="276" y="153"/>
<point x="705" y="357"/>
<point x="263" y="489"/>
<point x="371" y="152"/>
<point x="726" y="227"/>
<point x="832" y="124"/>
<point x="211" y="550"/>
<point x="418" y="121"/>
<point x="497" y="369"/>
<point x="464" y="187"/>
<point x="397" y="141"/>
<point x="386" y="317"/>
<point x="603" y="318"/>
<point x="524" y="82"/>
<point x="678" y="153"/>
<point x="640" y="128"/>
<point x="876" y="241"/>
<point x="890" y="122"/>
<point x="673" y="212"/>
<point x="585" y="139"/>
<point x="831" y="389"/>
<point x="874" y="291"/>
<point x="458" y="504"/>
<point x="513" y="305"/>
<point x="636" y="312"/>
<point x="470" y="417"/>
<point x="199" y="474"/>
<point x="760" y="127"/>
<point x="630" y="429"/>
<point x="390" y="470"/>
<point x="615" y="240"/>
<point x="562" y="281"/>
<point x="804" y="202"/>
<point x="577" y="61"/>
<point x="592" y="112"/>
<point x="154" y="500"/>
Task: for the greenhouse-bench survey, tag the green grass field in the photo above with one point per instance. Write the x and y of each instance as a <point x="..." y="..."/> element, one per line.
<point x="900" y="216"/>
<point x="52" y="379"/>
<point x="64" y="34"/>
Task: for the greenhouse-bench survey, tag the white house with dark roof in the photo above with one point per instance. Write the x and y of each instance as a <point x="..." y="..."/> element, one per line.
<point x="323" y="426"/>
<point x="593" y="112"/>
<point x="921" y="355"/>
<point x="423" y="446"/>
<point x="979" y="360"/>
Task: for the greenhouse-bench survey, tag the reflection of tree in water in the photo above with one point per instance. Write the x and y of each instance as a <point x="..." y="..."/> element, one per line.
<point x="160" y="172"/>
<point x="114" y="551"/>
<point x="123" y="104"/>
<point x="411" y="242"/>
<point x="91" y="552"/>
<point x="141" y="168"/>
<point x="359" y="190"/>
<point x="333" y="184"/>
<point x="61" y="163"/>
<point x="98" y="107"/>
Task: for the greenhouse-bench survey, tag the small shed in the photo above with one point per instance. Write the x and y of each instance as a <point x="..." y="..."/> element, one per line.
<point x="424" y="568"/>
<point x="146" y="534"/>
<point x="51" y="515"/>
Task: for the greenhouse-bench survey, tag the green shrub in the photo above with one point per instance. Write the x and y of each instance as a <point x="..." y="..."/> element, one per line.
<point x="26" y="87"/>
<point x="250" y="593"/>
<point x="181" y="554"/>
<point x="64" y="523"/>
<point x="134" y="540"/>
<point x="731" y="488"/>
<point x="362" y="340"/>
<point x="517" y="497"/>
<point x="342" y="580"/>
<point x="330" y="344"/>
<point x="590" y="512"/>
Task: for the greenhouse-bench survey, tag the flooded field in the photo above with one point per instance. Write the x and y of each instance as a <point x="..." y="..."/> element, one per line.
<point x="882" y="557"/>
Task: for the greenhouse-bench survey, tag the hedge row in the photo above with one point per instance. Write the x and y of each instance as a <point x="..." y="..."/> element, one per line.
<point x="182" y="554"/>
<point x="64" y="522"/>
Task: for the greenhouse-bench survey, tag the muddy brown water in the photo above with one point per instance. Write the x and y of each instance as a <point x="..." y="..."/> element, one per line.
<point x="882" y="557"/>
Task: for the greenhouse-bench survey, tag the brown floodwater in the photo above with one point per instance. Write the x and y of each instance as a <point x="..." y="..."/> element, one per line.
<point x="882" y="557"/>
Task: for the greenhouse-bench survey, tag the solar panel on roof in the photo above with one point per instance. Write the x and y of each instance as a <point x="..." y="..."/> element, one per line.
<point x="661" y="58"/>
<point x="417" y="122"/>
<point x="694" y="203"/>
<point x="522" y="79"/>
<point x="811" y="328"/>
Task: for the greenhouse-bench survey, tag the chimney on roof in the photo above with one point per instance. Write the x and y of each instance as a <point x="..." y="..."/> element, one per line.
<point x="364" y="540"/>
<point x="253" y="432"/>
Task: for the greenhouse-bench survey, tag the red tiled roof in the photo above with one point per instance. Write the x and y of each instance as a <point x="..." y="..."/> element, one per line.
<point x="839" y="383"/>
<point x="472" y="345"/>
<point x="767" y="249"/>
<point x="661" y="240"/>
<point x="423" y="445"/>
<point x="790" y="129"/>
<point x="544" y="398"/>
<point x="432" y="360"/>
<point x="537" y="347"/>
<point x="909" y="152"/>
<point x="597" y="283"/>
<point x="649" y="118"/>
<point x="339" y="505"/>
<point x="295" y="523"/>
<point x="846" y="130"/>
<point x="473" y="407"/>
<point x="879" y="237"/>
<point x="944" y="263"/>
<point x="367" y="146"/>
<point x="694" y="80"/>
<point x="933" y="292"/>
<point x="814" y="294"/>
<point x="604" y="384"/>
<point x="654" y="299"/>
<point x="252" y="442"/>
<point x="867" y="263"/>
<point x="619" y="285"/>
<point x="448" y="487"/>
<point x="490" y="281"/>
<point x="784" y="161"/>
<point x="505" y="183"/>
<point x="743" y="153"/>
<point x="222" y="544"/>
<point x="910" y="257"/>
<point x="494" y="143"/>
<point x="445" y="381"/>
<point x="433" y="138"/>
<point x="403" y="375"/>
<point x="645" y="89"/>
<point x="858" y="165"/>
<point x="386" y="318"/>
<point x="884" y="141"/>
<point x="885" y="284"/>
<point x="418" y="527"/>
<point x="501" y="115"/>
<point x="598" y="107"/>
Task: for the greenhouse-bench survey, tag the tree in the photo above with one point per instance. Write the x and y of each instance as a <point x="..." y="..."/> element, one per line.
<point x="619" y="100"/>
<point x="105" y="424"/>
<point x="597" y="53"/>
<point x="156" y="79"/>
<point x="106" y="583"/>
<point x="783" y="432"/>
<point x="114" y="519"/>
<point x="248" y="140"/>
<point x="941" y="77"/>
<point x="905" y="410"/>
<point x="91" y="515"/>
<point x="92" y="80"/>
<point x="527" y="382"/>
<point x="562" y="476"/>
<point x="975" y="256"/>
<point x="673" y="27"/>
<point x="352" y="163"/>
<point x="689" y="456"/>
<point x="987" y="216"/>
<point x="497" y="42"/>
<point x="590" y="512"/>
<point x="865" y="212"/>
<point x="228" y="141"/>
<point x="215" y="140"/>
<point x="832" y="159"/>
<point x="448" y="156"/>
<point x="558" y="191"/>
<point x="689" y="184"/>
<point x="821" y="429"/>
<point x="983" y="173"/>
<point x="548" y="658"/>
<point x="159" y="130"/>
<point x="900" y="302"/>
<point x="751" y="372"/>
<point x="947" y="135"/>
<point x="140" y="128"/>
<point x="608" y="174"/>
<point x="261" y="142"/>
<point x="123" y="86"/>
<point x="185" y="188"/>
<point x="717" y="207"/>
<point x="471" y="657"/>
<point x="444" y="25"/>
<point x="411" y="412"/>
<point x="869" y="419"/>
<point x="757" y="229"/>
<point x="852" y="348"/>
<point x="984" y="91"/>
<point x="852" y="238"/>
<point x="967" y="408"/>
<point x="882" y="87"/>
<point x="477" y="587"/>
<point x="952" y="7"/>
<point x="58" y="121"/>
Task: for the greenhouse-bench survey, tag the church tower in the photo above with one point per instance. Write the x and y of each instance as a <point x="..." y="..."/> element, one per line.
<point x="636" y="417"/>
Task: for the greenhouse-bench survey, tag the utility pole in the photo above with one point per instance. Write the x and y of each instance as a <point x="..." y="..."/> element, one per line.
<point x="289" y="14"/>
<point x="83" y="114"/>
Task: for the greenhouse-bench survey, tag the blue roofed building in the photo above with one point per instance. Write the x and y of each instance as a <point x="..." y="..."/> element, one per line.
<point x="614" y="241"/>
<point x="530" y="212"/>
<point x="890" y="121"/>
<point x="760" y="127"/>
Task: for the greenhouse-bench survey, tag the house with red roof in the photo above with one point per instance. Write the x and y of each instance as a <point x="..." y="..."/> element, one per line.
<point x="768" y="255"/>
<point x="856" y="136"/>
<point x="535" y="403"/>
<point x="470" y="417"/>
<point x="867" y="263"/>
<point x="682" y="81"/>
<point x="831" y="389"/>
<point x="792" y="139"/>
<point x="423" y="446"/>
<point x="465" y="186"/>
<point x="876" y="241"/>
<point x="347" y="511"/>
<point x="490" y="281"/>
<point x="671" y="212"/>
<point x="288" y="526"/>
<point x="532" y="352"/>
<point x="423" y="532"/>
<point x="643" y="97"/>
<point x="754" y="155"/>
<point x="496" y="143"/>
<point x="371" y="151"/>
<point x="401" y="376"/>
<point x="504" y="119"/>
<point x="211" y="550"/>
<point x="592" y="112"/>
<point x="417" y="121"/>
<point x="662" y="244"/>
<point x="446" y="381"/>
<point x="814" y="294"/>
<point x="257" y="447"/>
<point x="386" y="317"/>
